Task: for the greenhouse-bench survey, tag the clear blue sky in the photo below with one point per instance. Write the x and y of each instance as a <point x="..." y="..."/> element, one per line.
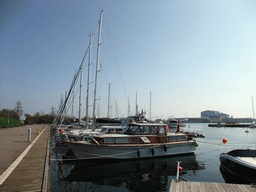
<point x="192" y="55"/>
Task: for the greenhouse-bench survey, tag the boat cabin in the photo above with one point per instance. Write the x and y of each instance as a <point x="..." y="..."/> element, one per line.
<point x="111" y="130"/>
<point x="141" y="133"/>
<point x="146" y="129"/>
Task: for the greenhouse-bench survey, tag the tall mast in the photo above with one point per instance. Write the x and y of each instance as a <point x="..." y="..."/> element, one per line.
<point x="128" y="108"/>
<point x="96" y="76"/>
<point x="80" y="95"/>
<point x="116" y="115"/>
<point x="252" y="109"/>
<point x="108" y="98"/>
<point x="150" y="108"/>
<point x="73" y="93"/>
<point x="88" y="84"/>
<point x="136" y="112"/>
<point x="65" y="111"/>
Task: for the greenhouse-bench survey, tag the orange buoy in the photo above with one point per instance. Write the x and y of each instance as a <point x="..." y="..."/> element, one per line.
<point x="224" y="140"/>
<point x="180" y="169"/>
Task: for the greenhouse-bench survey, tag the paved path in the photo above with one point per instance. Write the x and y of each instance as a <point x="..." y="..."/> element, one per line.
<point x="13" y="141"/>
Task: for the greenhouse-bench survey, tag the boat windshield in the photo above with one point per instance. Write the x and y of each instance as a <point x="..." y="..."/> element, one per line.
<point x="141" y="129"/>
<point x="243" y="153"/>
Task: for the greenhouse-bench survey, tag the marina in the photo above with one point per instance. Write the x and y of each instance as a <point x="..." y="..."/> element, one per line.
<point x="201" y="170"/>
<point x="93" y="134"/>
<point x="156" y="174"/>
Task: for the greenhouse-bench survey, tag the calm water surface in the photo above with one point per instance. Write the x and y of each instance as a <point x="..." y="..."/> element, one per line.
<point x="153" y="174"/>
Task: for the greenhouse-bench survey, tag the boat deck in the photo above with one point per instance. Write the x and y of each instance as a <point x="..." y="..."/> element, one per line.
<point x="209" y="187"/>
<point x="27" y="173"/>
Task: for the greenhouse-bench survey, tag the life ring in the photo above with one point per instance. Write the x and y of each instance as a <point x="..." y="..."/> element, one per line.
<point x="61" y="131"/>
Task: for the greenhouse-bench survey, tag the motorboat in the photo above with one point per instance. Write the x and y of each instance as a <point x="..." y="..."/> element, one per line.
<point x="252" y="125"/>
<point x="172" y="123"/>
<point x="239" y="166"/>
<point x="139" y="140"/>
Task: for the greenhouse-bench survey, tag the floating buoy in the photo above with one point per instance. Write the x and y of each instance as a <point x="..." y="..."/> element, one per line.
<point x="138" y="153"/>
<point x="180" y="169"/>
<point x="153" y="151"/>
<point x="224" y="140"/>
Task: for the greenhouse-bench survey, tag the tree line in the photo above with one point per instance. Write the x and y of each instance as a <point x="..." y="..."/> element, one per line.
<point x="39" y="119"/>
<point x="11" y="117"/>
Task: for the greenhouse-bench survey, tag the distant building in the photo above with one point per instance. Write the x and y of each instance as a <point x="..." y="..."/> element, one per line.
<point x="214" y="115"/>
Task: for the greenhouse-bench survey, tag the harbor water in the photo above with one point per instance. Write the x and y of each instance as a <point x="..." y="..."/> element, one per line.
<point x="151" y="174"/>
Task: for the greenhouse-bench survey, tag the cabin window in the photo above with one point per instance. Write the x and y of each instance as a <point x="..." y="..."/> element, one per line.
<point x="141" y="129"/>
<point x="131" y="129"/>
<point x="173" y="138"/>
<point x="151" y="129"/>
<point x="109" y="140"/>
<point x="123" y="140"/>
<point x="183" y="137"/>
<point x="118" y="131"/>
<point x="161" y="130"/>
<point x="103" y="130"/>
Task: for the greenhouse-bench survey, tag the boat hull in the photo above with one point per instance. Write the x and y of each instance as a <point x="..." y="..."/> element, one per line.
<point x="236" y="171"/>
<point x="85" y="150"/>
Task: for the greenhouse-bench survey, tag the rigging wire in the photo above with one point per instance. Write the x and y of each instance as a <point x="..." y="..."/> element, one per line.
<point x="118" y="69"/>
<point x="74" y="81"/>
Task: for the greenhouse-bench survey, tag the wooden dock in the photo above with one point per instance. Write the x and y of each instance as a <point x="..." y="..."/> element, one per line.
<point x="28" y="174"/>
<point x="209" y="187"/>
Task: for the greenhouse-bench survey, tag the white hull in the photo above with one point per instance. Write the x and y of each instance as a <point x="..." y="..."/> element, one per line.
<point x="85" y="150"/>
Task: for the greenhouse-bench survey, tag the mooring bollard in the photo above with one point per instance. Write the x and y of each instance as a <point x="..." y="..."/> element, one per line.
<point x="38" y="131"/>
<point x="29" y="135"/>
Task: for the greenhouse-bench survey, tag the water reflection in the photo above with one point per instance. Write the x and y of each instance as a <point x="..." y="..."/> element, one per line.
<point x="139" y="175"/>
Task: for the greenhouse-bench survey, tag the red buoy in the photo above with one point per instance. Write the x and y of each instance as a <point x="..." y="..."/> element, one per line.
<point x="224" y="140"/>
<point x="180" y="169"/>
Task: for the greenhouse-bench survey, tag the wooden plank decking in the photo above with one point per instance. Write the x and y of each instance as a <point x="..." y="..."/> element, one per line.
<point x="28" y="174"/>
<point x="209" y="187"/>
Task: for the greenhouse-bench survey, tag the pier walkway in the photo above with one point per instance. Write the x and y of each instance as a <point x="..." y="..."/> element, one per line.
<point x="26" y="173"/>
<point x="209" y="187"/>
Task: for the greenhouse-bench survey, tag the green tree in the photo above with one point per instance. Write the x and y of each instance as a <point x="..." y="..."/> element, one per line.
<point x="19" y="108"/>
